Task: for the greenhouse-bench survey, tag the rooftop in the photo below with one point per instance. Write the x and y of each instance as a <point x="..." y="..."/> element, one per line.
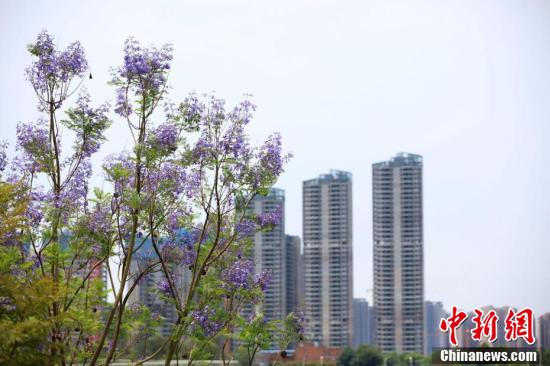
<point x="401" y="159"/>
<point x="333" y="175"/>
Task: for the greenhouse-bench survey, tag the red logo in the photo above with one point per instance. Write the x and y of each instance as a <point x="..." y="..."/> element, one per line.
<point x="520" y="325"/>
<point x="517" y="325"/>
<point x="485" y="325"/>
<point x="452" y="323"/>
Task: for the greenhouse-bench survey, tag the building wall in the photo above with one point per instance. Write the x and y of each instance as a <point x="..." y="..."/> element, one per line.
<point x="328" y="256"/>
<point x="363" y="323"/>
<point x="544" y="331"/>
<point x="398" y="253"/>
<point x="146" y="292"/>
<point x="293" y="262"/>
<point x="433" y="336"/>
<point x="269" y="253"/>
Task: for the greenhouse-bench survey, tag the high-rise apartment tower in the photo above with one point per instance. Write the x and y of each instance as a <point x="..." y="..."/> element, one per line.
<point x="398" y="253"/>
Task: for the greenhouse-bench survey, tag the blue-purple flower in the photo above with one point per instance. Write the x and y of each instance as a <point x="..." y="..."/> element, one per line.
<point x="3" y="156"/>
<point x="205" y="318"/>
<point x="164" y="288"/>
<point x="239" y="275"/>
<point x="269" y="219"/>
<point x="52" y="71"/>
<point x="263" y="279"/>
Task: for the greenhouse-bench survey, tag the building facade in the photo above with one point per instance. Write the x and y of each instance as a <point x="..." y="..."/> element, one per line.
<point x="363" y="323"/>
<point x="544" y="331"/>
<point x="146" y="292"/>
<point x="328" y="258"/>
<point x="270" y="253"/>
<point x="398" y="253"/>
<point x="433" y="336"/>
<point x="294" y="273"/>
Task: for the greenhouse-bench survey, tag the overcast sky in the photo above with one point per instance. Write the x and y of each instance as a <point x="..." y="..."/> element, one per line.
<point x="466" y="84"/>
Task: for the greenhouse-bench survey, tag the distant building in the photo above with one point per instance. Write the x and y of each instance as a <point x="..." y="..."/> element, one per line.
<point x="270" y="253"/>
<point x="364" y="326"/>
<point x="294" y="273"/>
<point x="328" y="258"/>
<point x="360" y="322"/>
<point x="146" y="291"/>
<point x="433" y="336"/>
<point x="398" y="253"/>
<point x="544" y="331"/>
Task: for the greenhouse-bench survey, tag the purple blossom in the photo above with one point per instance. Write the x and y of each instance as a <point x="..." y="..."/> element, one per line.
<point x="33" y="143"/>
<point x="262" y="279"/>
<point x="6" y="304"/>
<point x="164" y="288"/>
<point x="164" y="137"/>
<point x="205" y="318"/>
<point x="76" y="191"/>
<point x="99" y="221"/>
<point x="119" y="170"/>
<point x="299" y="321"/>
<point x="171" y="252"/>
<point x="173" y="179"/>
<point x="192" y="110"/>
<point x="268" y="219"/>
<point x="35" y="207"/>
<point x="89" y="124"/>
<point x="239" y="275"/>
<point x="246" y="228"/>
<point x="143" y="73"/>
<point x="3" y="156"/>
<point x="122" y="106"/>
<point x="54" y="69"/>
<point x="271" y="160"/>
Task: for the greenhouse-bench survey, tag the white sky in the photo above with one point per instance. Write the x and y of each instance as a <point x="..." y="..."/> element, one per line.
<point x="466" y="84"/>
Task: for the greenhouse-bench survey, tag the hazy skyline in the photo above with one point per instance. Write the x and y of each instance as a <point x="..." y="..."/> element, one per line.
<point x="465" y="84"/>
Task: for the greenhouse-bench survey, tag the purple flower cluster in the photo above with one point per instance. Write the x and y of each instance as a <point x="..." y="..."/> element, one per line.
<point x="118" y="169"/>
<point x="246" y="228"/>
<point x="33" y="143"/>
<point x="122" y="105"/>
<point x="192" y="110"/>
<point x="55" y="68"/>
<point x="262" y="279"/>
<point x="144" y="71"/>
<point x="205" y="318"/>
<point x="270" y="156"/>
<point x="89" y="124"/>
<point x="173" y="179"/>
<point x="3" y="156"/>
<point x="35" y="207"/>
<point x="76" y="191"/>
<point x="268" y="219"/>
<point x="239" y="275"/>
<point x="170" y="252"/>
<point x="164" y="137"/>
<point x="164" y="288"/>
<point x="300" y="319"/>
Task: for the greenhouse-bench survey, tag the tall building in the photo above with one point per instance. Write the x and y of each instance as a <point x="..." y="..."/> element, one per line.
<point x="146" y="291"/>
<point x="398" y="253"/>
<point x="328" y="255"/>
<point x="294" y="273"/>
<point x="270" y="253"/>
<point x="363" y="323"/>
<point x="544" y="331"/>
<point x="360" y="322"/>
<point x="433" y="336"/>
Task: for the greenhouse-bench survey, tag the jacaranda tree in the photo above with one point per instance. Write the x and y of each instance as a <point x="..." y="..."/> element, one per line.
<point x="175" y="203"/>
